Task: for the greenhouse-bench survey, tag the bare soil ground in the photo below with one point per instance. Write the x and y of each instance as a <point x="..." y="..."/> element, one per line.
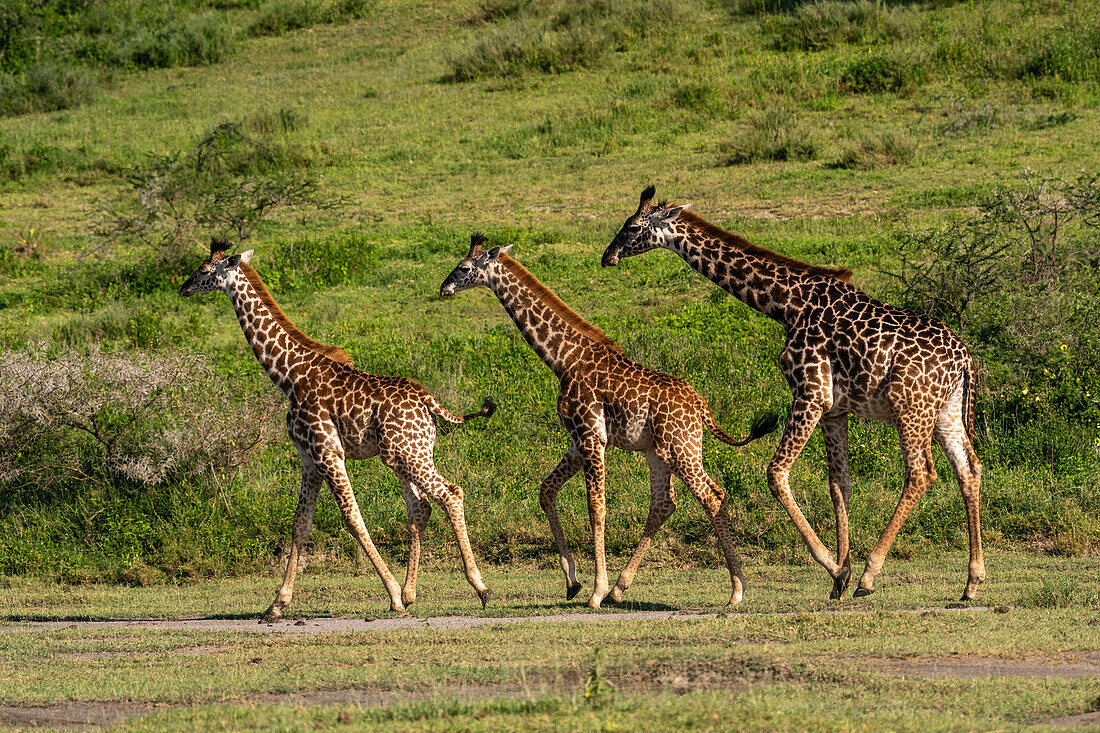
<point x="325" y="625"/>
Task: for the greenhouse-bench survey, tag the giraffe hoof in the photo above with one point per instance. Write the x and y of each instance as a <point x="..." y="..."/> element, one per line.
<point x="572" y="591"/>
<point x="485" y="595"/>
<point x="840" y="584"/>
<point x="967" y="597"/>
<point x="271" y="615"/>
<point x="861" y="592"/>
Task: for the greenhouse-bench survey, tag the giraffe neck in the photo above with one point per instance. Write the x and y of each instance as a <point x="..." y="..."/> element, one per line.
<point x="557" y="334"/>
<point x="771" y="283"/>
<point x="282" y="357"/>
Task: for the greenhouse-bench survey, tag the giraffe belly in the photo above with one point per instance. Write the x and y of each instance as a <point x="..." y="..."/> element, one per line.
<point x="632" y="435"/>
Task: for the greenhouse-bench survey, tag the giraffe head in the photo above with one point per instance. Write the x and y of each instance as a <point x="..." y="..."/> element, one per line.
<point x="217" y="272"/>
<point x="648" y="228"/>
<point x="473" y="269"/>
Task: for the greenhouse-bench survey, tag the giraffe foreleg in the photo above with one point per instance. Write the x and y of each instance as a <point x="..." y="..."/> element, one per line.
<point x="800" y="425"/>
<point x="592" y="463"/>
<point x="419" y="510"/>
<point x="331" y="465"/>
<point x="916" y="436"/>
<point x="567" y="467"/>
<point x="835" y="431"/>
<point x="662" y="503"/>
<point x="303" y="522"/>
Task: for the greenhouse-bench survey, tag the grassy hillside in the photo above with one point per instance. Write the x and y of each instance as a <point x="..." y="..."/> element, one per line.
<point x="356" y="146"/>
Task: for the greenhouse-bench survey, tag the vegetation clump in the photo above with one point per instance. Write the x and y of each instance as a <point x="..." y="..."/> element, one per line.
<point x="773" y="134"/>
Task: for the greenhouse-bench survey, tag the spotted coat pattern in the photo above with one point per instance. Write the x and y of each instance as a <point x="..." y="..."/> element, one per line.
<point x="338" y="413"/>
<point x="607" y="399"/>
<point x="846" y="353"/>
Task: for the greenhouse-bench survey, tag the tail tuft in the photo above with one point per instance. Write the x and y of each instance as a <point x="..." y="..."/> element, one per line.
<point x="488" y="407"/>
<point x="763" y="424"/>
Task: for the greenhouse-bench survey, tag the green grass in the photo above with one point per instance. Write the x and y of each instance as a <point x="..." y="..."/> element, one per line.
<point x="792" y="670"/>
<point x="549" y="156"/>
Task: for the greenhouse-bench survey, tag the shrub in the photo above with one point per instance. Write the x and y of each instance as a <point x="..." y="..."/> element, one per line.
<point x="1020" y="282"/>
<point x="198" y="41"/>
<point x="819" y="25"/>
<point x="876" y="73"/>
<point x="282" y="16"/>
<point x="74" y="417"/>
<point x="1071" y="53"/>
<point x="228" y="182"/>
<point x="772" y="135"/>
<point x="44" y="88"/>
<point x="555" y="37"/>
<point x="891" y="147"/>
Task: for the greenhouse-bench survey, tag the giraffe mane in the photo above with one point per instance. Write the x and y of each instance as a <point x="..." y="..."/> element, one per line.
<point x="739" y="242"/>
<point x="327" y="350"/>
<point x="556" y="304"/>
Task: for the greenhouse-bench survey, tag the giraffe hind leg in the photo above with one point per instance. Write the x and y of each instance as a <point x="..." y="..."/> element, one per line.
<point x="450" y="497"/>
<point x="569" y="465"/>
<point x="419" y="510"/>
<point x="951" y="434"/>
<point x="835" y="432"/>
<point x="662" y="503"/>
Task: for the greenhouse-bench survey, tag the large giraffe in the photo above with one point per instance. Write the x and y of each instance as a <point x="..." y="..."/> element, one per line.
<point x="338" y="412"/>
<point x="846" y="353"/>
<point x="607" y="399"/>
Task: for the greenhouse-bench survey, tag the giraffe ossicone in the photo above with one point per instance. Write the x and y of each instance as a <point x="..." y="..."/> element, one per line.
<point x="845" y="353"/>
<point x="607" y="399"/>
<point x="337" y="413"/>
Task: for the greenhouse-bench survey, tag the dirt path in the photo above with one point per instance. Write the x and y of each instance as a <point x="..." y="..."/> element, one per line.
<point x="325" y="625"/>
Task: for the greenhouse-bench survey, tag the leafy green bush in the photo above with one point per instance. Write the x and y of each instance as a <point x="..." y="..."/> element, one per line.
<point x="828" y="23"/>
<point x="44" y="88"/>
<point x="876" y="73"/>
<point x="774" y="134"/>
<point x="892" y="147"/>
<point x="197" y="41"/>
<point x="555" y="37"/>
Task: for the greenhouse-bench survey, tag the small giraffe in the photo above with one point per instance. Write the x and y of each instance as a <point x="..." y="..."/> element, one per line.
<point x="338" y="412"/>
<point x="607" y="399"/>
<point x="846" y="353"/>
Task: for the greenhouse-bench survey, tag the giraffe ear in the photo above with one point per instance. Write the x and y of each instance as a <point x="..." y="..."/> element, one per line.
<point x="647" y="195"/>
<point x="246" y="257"/>
<point x="664" y="216"/>
<point x="505" y="250"/>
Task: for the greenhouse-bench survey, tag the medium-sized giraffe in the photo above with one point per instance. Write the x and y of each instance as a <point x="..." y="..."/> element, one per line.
<point x="846" y="353"/>
<point x="336" y="413"/>
<point x="607" y="399"/>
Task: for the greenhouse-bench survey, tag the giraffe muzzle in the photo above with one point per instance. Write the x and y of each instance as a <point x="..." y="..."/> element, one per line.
<point x="446" y="290"/>
<point x="610" y="257"/>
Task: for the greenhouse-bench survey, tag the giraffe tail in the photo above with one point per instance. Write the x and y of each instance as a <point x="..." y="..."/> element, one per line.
<point x="488" y="407"/>
<point x="762" y="424"/>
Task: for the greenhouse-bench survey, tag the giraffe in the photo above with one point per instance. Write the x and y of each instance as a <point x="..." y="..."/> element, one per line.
<point x="846" y="353"/>
<point x="336" y="413"/>
<point x="607" y="399"/>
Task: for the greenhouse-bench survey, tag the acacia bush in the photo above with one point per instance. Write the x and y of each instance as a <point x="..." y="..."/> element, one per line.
<point x="70" y="417"/>
<point x="227" y="184"/>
